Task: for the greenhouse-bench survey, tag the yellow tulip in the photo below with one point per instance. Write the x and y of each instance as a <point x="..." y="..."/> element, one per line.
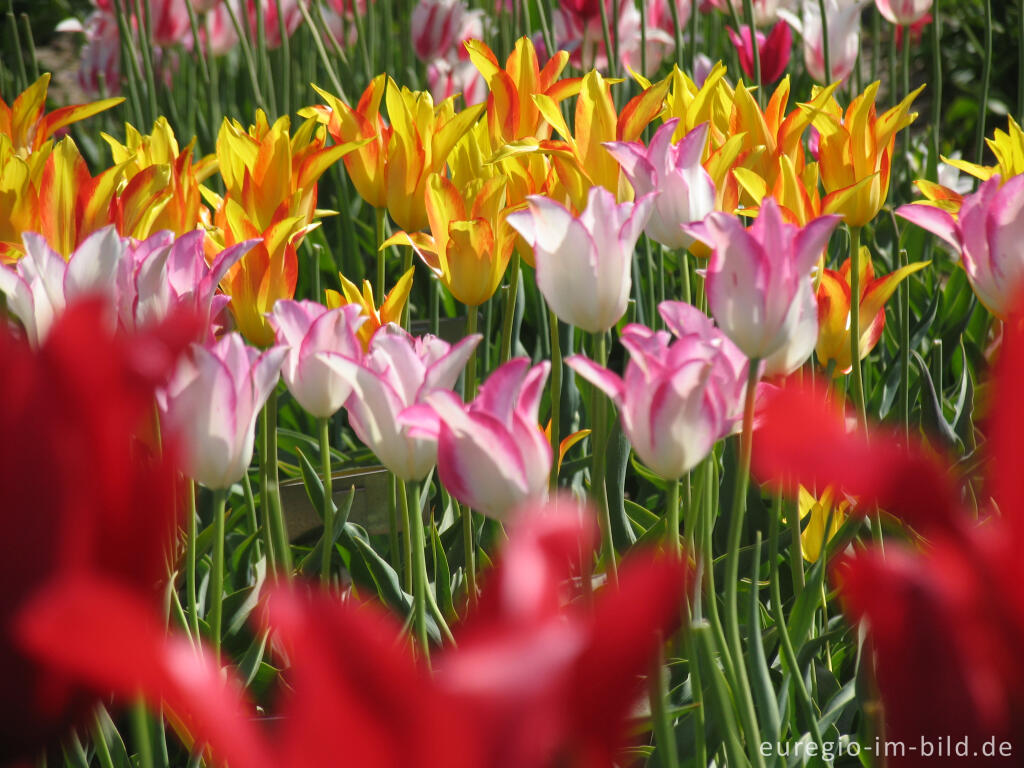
<point x="390" y="310"/>
<point x="814" y="536"/>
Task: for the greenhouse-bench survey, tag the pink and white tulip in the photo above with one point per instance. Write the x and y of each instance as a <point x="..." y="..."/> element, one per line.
<point x="40" y="284"/>
<point x="843" y="17"/>
<point x="310" y="332"/>
<point x="672" y="172"/>
<point x="903" y="12"/>
<point x="677" y="398"/>
<point x="439" y="27"/>
<point x="988" y="235"/>
<point x="161" y="274"/>
<point x="583" y="262"/>
<point x="759" y="281"/>
<point x="399" y="371"/>
<point x="446" y="78"/>
<point x="491" y="454"/>
<point x="212" y="402"/>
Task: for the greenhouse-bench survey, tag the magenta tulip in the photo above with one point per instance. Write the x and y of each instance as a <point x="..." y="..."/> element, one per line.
<point x="773" y="50"/>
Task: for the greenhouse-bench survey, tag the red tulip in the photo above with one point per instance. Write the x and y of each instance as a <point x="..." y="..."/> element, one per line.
<point x="82" y="497"/>
<point x="952" y="604"/>
<point x="773" y="49"/>
<point x="531" y="682"/>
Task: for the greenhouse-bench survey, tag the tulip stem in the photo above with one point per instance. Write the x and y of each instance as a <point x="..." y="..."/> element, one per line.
<point x="470" y="380"/>
<point x="858" y="377"/>
<point x="825" y="52"/>
<point x="597" y="472"/>
<point x="142" y="733"/>
<point x="378" y="233"/>
<point x="664" y="734"/>
<point x="674" y="544"/>
<point x="745" y="700"/>
<point x="268" y="536"/>
<point x="281" y="545"/>
<point x="217" y="570"/>
<point x="414" y="523"/>
<point x="986" y="76"/>
<point x="556" y="395"/>
<point x="510" y="310"/>
<point x="904" y="306"/>
<point x="190" y="562"/>
<point x="468" y="549"/>
<point x="748" y="12"/>
<point x="327" y="543"/>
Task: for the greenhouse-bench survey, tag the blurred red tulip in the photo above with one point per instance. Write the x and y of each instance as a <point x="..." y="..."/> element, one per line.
<point x="81" y="494"/>
<point x="949" y="606"/>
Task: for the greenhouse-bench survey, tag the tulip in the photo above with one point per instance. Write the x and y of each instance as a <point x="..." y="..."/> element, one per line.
<point x="213" y="401"/>
<point x="903" y="12"/>
<point x="310" y="332"/>
<point x="29" y="127"/>
<point x="533" y="679"/>
<point x="162" y="274"/>
<point x="986" y="235"/>
<point x="90" y="501"/>
<point x="765" y="11"/>
<point x="684" y="192"/>
<point x="41" y="284"/>
<point x="374" y="317"/>
<point x="1008" y="148"/>
<point x="833" y="348"/>
<point x="819" y="513"/>
<point x="758" y="280"/>
<point x="491" y="454"/>
<point x="440" y="27"/>
<point x="676" y="400"/>
<point x="397" y="372"/>
<point x="99" y="69"/>
<point x="446" y="79"/>
<point x="855" y="154"/>
<point x="583" y="263"/>
<point x="773" y="50"/>
<point x="843" y="20"/>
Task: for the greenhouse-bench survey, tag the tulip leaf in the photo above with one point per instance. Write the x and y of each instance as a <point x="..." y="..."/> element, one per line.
<point x="617" y="459"/>
<point x="760" y="677"/>
<point x="806" y="605"/>
<point x="641" y="517"/>
<point x="442" y="577"/>
<point x="114" y="742"/>
<point x="932" y="415"/>
<point x="250" y="662"/>
<point x="238" y="605"/>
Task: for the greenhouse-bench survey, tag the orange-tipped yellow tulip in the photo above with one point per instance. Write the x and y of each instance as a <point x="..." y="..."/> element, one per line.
<point x="390" y="310"/>
<point x="180" y="207"/>
<point x="26" y="123"/>
<point x="855" y="154"/>
<point x="468" y="250"/>
<point x="1008" y="147"/>
<point x="833" y="348"/>
<point x="815" y="536"/>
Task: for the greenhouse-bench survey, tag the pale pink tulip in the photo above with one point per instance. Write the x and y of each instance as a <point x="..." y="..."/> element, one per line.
<point x="439" y="27"/>
<point x="491" y="454"/>
<point x="759" y="280"/>
<point x="843" y="17"/>
<point x="765" y="11"/>
<point x="903" y="12"/>
<point x="162" y="273"/>
<point x="445" y="78"/>
<point x="212" y="402"/>
<point x="397" y="372"/>
<point x="310" y="331"/>
<point x="99" y="71"/>
<point x="682" y="190"/>
<point x="677" y="399"/>
<point x="988" y="235"/>
<point x="580" y="32"/>
<point x="168" y="21"/>
<point x="583" y="262"/>
<point x="40" y="284"/>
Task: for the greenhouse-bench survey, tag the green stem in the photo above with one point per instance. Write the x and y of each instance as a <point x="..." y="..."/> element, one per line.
<point x="140" y="729"/>
<point x="796" y="558"/>
<point x="986" y="76"/>
<point x="100" y="742"/>
<point x="419" y="568"/>
<point x="904" y="305"/>
<point x="325" y="470"/>
<point x="664" y="734"/>
<point x="281" y="545"/>
<point x="674" y="544"/>
<point x="732" y="570"/>
<point x="599" y="436"/>
<point x="471" y="323"/>
<point x="936" y="83"/>
<point x="217" y="570"/>
<point x="378" y="233"/>
<point x="556" y="395"/>
<point x="510" y="310"/>
<point x="468" y="549"/>
<point x="605" y="31"/>
<point x="858" y="378"/>
<point x="190" y="561"/>
<point x="825" y="52"/>
<point x="684" y="269"/>
<point x="265" y="505"/>
<point x="748" y="12"/>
